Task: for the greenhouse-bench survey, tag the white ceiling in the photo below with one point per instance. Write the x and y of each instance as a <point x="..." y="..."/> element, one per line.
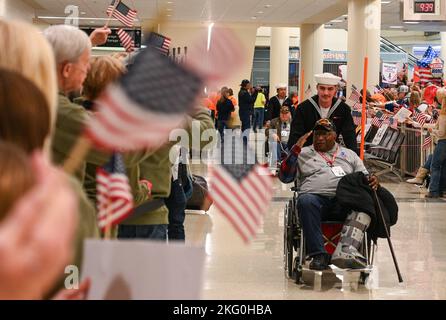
<point x="260" y="12"/>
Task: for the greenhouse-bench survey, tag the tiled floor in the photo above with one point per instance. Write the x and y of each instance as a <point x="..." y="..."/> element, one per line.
<point x="236" y="271"/>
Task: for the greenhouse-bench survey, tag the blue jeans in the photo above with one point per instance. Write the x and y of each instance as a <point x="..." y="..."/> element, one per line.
<point x="146" y="232"/>
<point x="280" y="146"/>
<point x="428" y="163"/>
<point x="259" y="115"/>
<point x="176" y="203"/>
<point x="313" y="209"/>
<point x="438" y="169"/>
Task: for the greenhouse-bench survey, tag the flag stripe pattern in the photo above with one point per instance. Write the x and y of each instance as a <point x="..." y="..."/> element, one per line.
<point x="427" y="142"/>
<point x="122" y="12"/>
<point x="160" y="42"/>
<point x="114" y="197"/>
<point x="423" y="70"/>
<point x="421" y="118"/>
<point x="242" y="193"/>
<point x="126" y="41"/>
<point x="140" y="110"/>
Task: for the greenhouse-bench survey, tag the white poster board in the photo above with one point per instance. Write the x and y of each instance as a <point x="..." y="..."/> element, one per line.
<point x="389" y="73"/>
<point x="379" y="135"/>
<point x="143" y="270"/>
<point x="403" y="114"/>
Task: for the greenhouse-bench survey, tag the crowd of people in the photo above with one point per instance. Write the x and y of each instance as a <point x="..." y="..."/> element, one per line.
<point x="49" y="83"/>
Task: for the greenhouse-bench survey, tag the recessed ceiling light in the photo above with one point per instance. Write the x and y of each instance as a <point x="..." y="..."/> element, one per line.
<point x="260" y="12"/>
<point x="168" y="15"/>
<point x="253" y="17"/>
<point x="169" y="9"/>
<point x="385" y="2"/>
<point x="337" y="21"/>
<point x="411" y="22"/>
<point x="268" y="6"/>
<point x="396" y="27"/>
<point x="169" y="2"/>
<point x="83" y="12"/>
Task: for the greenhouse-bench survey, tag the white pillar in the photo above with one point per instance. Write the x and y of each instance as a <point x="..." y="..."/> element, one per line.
<point x="364" y="30"/>
<point x="443" y="47"/>
<point x="311" y="54"/>
<point x="279" y="58"/>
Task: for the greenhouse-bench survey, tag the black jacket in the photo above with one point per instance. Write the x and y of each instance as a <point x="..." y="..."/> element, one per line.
<point x="353" y="192"/>
<point x="306" y="116"/>
<point x="274" y="107"/>
<point x="224" y="109"/>
<point x="246" y="102"/>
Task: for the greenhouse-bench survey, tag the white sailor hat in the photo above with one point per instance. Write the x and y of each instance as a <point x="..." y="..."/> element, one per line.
<point x="281" y="85"/>
<point x="327" y="79"/>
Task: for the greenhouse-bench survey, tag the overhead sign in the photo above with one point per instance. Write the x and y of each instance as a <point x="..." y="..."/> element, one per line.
<point x="113" y="39"/>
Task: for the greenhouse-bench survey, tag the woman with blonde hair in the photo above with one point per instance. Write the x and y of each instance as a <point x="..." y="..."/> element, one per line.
<point x="26" y="51"/>
<point x="438" y="168"/>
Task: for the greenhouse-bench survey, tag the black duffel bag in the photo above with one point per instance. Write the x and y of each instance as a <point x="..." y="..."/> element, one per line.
<point x="198" y="200"/>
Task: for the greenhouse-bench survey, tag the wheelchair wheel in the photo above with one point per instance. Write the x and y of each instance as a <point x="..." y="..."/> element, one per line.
<point x="288" y="239"/>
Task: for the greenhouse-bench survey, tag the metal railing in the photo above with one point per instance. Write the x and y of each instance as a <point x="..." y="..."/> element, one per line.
<point x="412" y="153"/>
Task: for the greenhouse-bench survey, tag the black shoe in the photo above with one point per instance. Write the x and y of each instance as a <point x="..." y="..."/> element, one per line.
<point x="320" y="262"/>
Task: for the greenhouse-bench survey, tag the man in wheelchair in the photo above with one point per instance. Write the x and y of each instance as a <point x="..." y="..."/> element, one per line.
<point x="318" y="170"/>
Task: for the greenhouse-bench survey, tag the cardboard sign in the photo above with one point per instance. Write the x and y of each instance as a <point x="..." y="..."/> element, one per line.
<point x="143" y="270"/>
<point x="389" y="73"/>
<point x="403" y="114"/>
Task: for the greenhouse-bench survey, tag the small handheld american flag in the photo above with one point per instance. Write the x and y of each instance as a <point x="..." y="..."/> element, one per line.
<point x="421" y="118"/>
<point x="114" y="196"/>
<point x="140" y="110"/>
<point x="159" y="42"/>
<point x="122" y="12"/>
<point x="379" y="119"/>
<point x="427" y="142"/>
<point x="242" y="193"/>
<point x="126" y="41"/>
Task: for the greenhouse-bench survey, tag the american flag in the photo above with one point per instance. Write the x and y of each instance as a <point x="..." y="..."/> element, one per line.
<point x="378" y="89"/>
<point x="379" y="118"/>
<point x="159" y="42"/>
<point x="139" y="111"/>
<point x="242" y="193"/>
<point x="423" y="70"/>
<point x="122" y="12"/>
<point x="393" y="122"/>
<point x="424" y="76"/>
<point x="427" y="58"/>
<point x="427" y="142"/>
<point x="126" y="40"/>
<point x="114" y="196"/>
<point x="355" y="96"/>
<point x="421" y="118"/>
<point x="357" y="117"/>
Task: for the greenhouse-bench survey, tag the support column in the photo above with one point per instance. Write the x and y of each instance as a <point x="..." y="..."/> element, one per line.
<point x="311" y="54"/>
<point x="443" y="47"/>
<point x="364" y="30"/>
<point x="279" y="58"/>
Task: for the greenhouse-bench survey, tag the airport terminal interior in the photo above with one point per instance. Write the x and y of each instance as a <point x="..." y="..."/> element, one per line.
<point x="366" y="77"/>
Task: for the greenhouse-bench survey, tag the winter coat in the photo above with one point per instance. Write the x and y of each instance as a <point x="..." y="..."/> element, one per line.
<point x="353" y="192"/>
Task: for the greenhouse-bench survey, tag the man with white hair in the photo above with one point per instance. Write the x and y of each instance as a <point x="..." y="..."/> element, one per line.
<point x="278" y="101"/>
<point x="321" y="106"/>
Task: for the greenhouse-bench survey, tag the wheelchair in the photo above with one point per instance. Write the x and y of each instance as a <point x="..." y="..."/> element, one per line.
<point x="295" y="260"/>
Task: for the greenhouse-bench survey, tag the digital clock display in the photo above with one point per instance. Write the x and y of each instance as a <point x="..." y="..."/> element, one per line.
<point x="424" y="7"/>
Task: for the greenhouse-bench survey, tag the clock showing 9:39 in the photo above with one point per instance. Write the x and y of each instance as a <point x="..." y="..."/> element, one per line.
<point x="425" y="6"/>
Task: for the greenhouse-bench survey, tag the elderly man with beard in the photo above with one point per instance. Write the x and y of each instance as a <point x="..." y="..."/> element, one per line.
<point x="324" y="105"/>
<point x="318" y="169"/>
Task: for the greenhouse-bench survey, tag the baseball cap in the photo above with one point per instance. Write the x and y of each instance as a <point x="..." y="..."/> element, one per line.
<point x="324" y="124"/>
<point x="284" y="109"/>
